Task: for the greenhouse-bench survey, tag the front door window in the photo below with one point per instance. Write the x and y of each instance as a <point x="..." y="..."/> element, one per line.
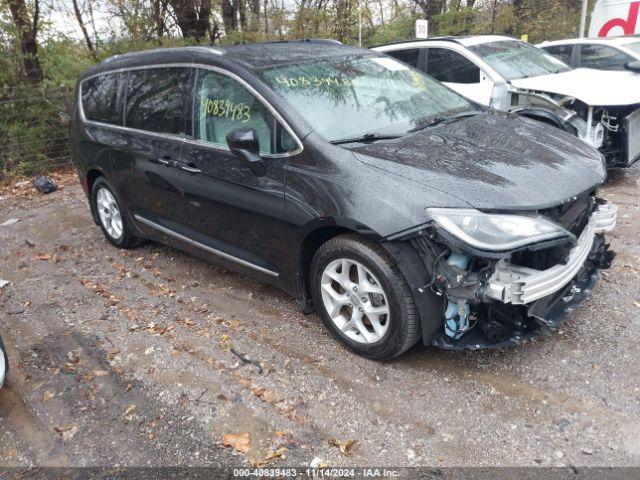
<point x="222" y="105"/>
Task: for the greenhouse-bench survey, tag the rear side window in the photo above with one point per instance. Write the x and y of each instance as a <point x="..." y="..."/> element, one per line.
<point x="223" y="105"/>
<point x="157" y="99"/>
<point x="602" y="57"/>
<point x="409" y="56"/>
<point x="449" y="66"/>
<point x="561" y="52"/>
<point x="102" y="98"/>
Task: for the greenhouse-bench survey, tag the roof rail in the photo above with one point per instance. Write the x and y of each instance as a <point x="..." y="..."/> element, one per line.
<point x="297" y="40"/>
<point x="196" y="48"/>
<point x="400" y="42"/>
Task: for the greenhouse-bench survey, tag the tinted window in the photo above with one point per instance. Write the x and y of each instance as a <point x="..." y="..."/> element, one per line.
<point x="602" y="57"/>
<point x="156" y="99"/>
<point x="409" y="56"/>
<point x="101" y="98"/>
<point x="561" y="52"/>
<point x="449" y="66"/>
<point x="223" y="105"/>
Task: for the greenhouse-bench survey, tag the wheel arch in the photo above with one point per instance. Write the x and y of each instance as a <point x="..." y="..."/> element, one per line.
<point x="547" y="116"/>
<point x="316" y="235"/>
<point x="89" y="180"/>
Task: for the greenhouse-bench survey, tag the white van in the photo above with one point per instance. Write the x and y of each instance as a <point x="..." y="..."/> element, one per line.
<point x="613" y="18"/>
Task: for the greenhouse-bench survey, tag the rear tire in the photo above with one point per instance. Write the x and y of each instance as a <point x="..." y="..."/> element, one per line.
<point x="112" y="217"/>
<point x="363" y="299"/>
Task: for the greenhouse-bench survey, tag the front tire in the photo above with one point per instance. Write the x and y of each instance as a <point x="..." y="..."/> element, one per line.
<point x="363" y="299"/>
<point x="112" y="216"/>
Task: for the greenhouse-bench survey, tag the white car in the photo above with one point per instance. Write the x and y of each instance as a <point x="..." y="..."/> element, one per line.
<point x="600" y="107"/>
<point x="4" y="364"/>
<point x="612" y="53"/>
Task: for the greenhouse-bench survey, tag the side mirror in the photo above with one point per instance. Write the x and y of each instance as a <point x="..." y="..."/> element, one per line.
<point x="633" y="66"/>
<point x="244" y="143"/>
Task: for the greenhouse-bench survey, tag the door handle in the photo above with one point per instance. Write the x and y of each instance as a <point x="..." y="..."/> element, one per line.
<point x="163" y="161"/>
<point x="187" y="168"/>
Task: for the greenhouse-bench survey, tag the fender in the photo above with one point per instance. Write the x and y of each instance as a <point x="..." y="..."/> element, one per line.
<point x="545" y="115"/>
<point x="428" y="304"/>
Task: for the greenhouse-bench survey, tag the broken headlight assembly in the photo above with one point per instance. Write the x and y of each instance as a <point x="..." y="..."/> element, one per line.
<point x="495" y="232"/>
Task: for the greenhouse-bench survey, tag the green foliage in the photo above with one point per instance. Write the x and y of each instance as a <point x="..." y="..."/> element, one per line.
<point x="401" y="28"/>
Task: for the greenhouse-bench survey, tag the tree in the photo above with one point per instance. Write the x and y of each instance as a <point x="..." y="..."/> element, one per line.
<point x="27" y="29"/>
<point x="85" y="34"/>
<point x="192" y="17"/>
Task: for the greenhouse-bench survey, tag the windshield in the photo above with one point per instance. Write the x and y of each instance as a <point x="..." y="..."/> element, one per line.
<point x="514" y="59"/>
<point x="346" y="97"/>
<point x="634" y="47"/>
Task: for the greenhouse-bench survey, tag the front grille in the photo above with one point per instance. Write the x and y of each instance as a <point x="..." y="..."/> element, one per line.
<point x="572" y="216"/>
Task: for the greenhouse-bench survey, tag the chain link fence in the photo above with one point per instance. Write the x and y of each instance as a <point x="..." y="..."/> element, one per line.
<point x="34" y="134"/>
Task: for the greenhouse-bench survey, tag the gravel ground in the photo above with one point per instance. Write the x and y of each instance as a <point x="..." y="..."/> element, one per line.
<point x="139" y="358"/>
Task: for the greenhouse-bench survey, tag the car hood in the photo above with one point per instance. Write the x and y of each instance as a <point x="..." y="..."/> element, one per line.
<point x="492" y="161"/>
<point x="593" y="87"/>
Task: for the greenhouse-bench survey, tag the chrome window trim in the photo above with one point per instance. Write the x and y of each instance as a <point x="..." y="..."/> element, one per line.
<point x="185" y="138"/>
<point x="204" y="247"/>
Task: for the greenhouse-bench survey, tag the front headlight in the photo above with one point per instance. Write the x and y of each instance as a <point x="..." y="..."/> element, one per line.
<point x="495" y="231"/>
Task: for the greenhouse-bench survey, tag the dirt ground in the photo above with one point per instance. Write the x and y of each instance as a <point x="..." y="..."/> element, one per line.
<point x="144" y="357"/>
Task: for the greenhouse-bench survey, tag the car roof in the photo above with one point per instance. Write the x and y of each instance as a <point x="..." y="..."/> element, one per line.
<point x="254" y="56"/>
<point x="269" y="54"/>
<point x="600" y="40"/>
<point x="464" y="40"/>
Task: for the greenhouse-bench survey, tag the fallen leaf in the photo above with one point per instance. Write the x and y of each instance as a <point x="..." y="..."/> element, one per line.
<point x="48" y="395"/>
<point x="346" y="447"/>
<point x="269" y="457"/>
<point x="241" y="442"/>
<point x="112" y="353"/>
<point x="100" y="373"/>
<point x="224" y="342"/>
<point x="43" y="256"/>
<point x="67" y="432"/>
<point x="128" y="412"/>
<point x="267" y="396"/>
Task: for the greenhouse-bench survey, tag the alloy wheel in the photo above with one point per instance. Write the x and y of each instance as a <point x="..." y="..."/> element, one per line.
<point x="109" y="213"/>
<point x="355" y="300"/>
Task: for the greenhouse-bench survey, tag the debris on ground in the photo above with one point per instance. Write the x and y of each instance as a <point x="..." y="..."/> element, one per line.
<point x="9" y="222"/>
<point x="4" y="283"/>
<point x="44" y="185"/>
<point x="346" y="447"/>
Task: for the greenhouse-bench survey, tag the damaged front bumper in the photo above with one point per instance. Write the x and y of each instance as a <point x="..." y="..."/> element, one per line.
<point x="490" y="303"/>
<point x="521" y="285"/>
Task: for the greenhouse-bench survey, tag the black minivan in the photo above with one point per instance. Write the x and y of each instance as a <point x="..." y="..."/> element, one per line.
<point x="386" y="202"/>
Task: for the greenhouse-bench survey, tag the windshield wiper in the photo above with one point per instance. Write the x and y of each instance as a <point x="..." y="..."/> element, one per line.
<point x="436" y="120"/>
<point x="366" y="138"/>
